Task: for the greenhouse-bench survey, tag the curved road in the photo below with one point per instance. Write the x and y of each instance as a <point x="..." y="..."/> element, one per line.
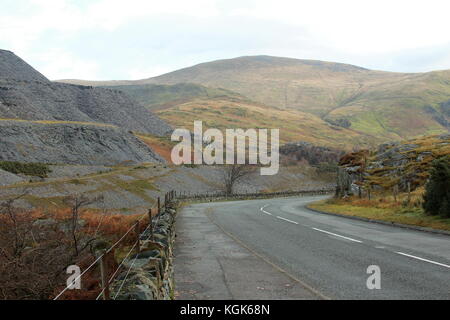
<point x="274" y="244"/>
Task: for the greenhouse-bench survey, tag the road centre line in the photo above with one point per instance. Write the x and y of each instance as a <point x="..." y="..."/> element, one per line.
<point x="266" y="212"/>
<point x="422" y="259"/>
<point x="294" y="222"/>
<point x="278" y="217"/>
<point x="358" y="241"/>
<point x="337" y="235"/>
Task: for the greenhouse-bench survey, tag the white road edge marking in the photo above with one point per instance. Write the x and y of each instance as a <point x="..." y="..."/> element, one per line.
<point x="287" y="220"/>
<point x="337" y="235"/>
<point x="422" y="259"/>
<point x="262" y="209"/>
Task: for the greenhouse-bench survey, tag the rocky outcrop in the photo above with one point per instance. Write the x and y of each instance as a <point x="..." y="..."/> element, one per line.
<point x="311" y="153"/>
<point x="397" y="164"/>
<point x="150" y="275"/>
<point x="71" y="143"/>
<point x="28" y="95"/>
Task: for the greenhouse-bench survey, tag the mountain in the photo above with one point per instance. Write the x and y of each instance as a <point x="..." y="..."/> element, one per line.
<point x="160" y="96"/>
<point x="225" y="113"/>
<point x="384" y="105"/>
<point x="14" y="68"/>
<point x="27" y="95"/>
<point x="183" y="103"/>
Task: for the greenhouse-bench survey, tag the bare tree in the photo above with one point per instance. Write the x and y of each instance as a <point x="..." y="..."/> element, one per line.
<point x="18" y="232"/>
<point x="76" y="202"/>
<point x="235" y="173"/>
<point x="32" y="255"/>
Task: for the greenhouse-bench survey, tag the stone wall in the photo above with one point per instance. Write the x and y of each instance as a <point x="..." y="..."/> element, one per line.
<point x="253" y="195"/>
<point x="149" y="274"/>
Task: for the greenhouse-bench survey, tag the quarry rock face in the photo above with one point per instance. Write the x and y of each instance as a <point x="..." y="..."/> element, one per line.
<point x="14" y="68"/>
<point x="71" y="144"/>
<point x="26" y="94"/>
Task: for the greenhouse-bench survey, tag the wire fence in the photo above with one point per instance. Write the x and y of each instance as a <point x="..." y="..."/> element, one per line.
<point x="100" y="260"/>
<point x="108" y="276"/>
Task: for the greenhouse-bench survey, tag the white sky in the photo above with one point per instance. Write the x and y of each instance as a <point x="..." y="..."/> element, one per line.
<point x="133" y="39"/>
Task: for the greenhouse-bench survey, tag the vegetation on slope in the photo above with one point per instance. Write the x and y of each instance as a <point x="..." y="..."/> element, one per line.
<point x="161" y="145"/>
<point x="404" y="182"/>
<point x="437" y="195"/>
<point x="38" y="245"/>
<point x="385" y="208"/>
<point x="383" y="105"/>
<point x="294" y="125"/>
<point x="401" y="163"/>
<point x="30" y="169"/>
<point x="160" y="96"/>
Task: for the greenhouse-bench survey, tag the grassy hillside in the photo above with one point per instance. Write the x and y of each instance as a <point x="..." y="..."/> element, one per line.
<point x="160" y="96"/>
<point x="223" y="113"/>
<point x="385" y="105"/>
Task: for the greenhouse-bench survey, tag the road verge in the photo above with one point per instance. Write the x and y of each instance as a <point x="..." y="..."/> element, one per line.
<point x="389" y="223"/>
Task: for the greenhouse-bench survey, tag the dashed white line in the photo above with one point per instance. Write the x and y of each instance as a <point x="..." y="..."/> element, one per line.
<point x="337" y="235"/>
<point x="287" y="220"/>
<point x="266" y="212"/>
<point x="422" y="259"/>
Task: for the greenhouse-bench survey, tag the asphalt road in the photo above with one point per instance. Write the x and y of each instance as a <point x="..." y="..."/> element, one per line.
<point x="316" y="255"/>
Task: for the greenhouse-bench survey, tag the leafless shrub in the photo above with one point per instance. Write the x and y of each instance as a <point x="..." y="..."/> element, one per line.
<point x="234" y="173"/>
<point x="37" y="247"/>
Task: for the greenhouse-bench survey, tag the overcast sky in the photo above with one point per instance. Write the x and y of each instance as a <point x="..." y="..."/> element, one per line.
<point x="134" y="39"/>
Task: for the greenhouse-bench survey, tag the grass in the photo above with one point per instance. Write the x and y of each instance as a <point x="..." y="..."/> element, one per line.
<point x="223" y="113"/>
<point x="50" y="202"/>
<point x="384" y="210"/>
<point x="29" y="169"/>
<point x="416" y="167"/>
<point x="136" y="187"/>
<point x="161" y="145"/>
<point x="380" y="105"/>
<point x="157" y="96"/>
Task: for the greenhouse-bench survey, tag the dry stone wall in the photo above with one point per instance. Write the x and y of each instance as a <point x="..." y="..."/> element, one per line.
<point x="150" y="275"/>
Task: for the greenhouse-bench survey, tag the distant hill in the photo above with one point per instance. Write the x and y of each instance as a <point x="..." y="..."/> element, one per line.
<point x="26" y="94"/>
<point x="384" y="105"/>
<point x="160" y="96"/>
<point x="224" y="113"/>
